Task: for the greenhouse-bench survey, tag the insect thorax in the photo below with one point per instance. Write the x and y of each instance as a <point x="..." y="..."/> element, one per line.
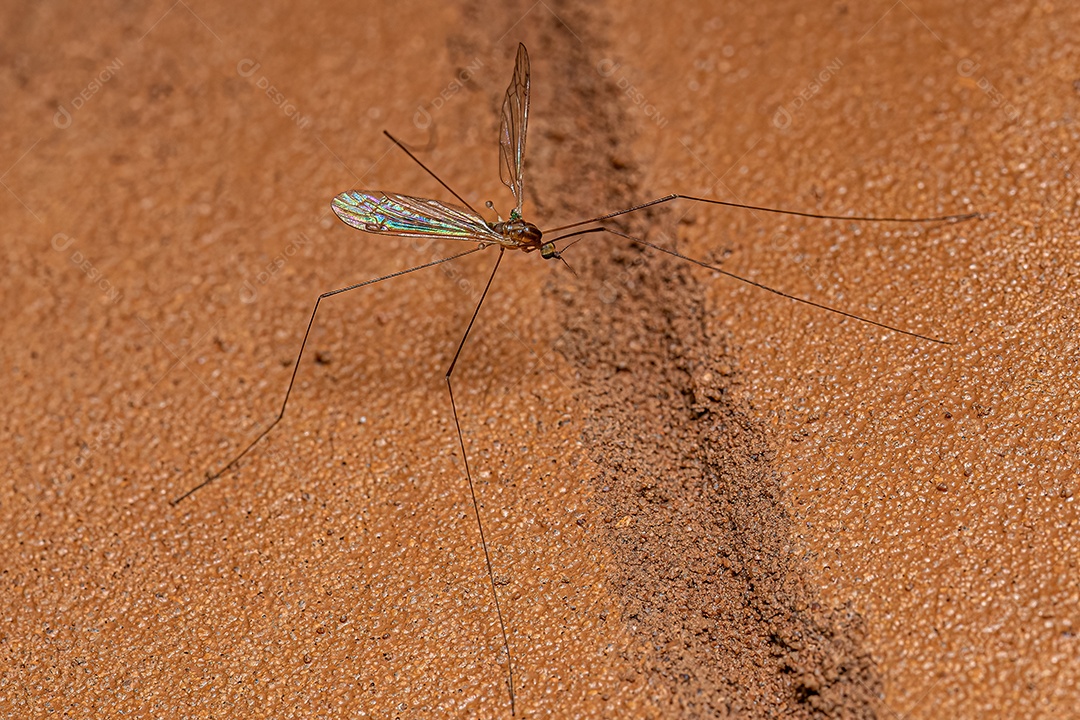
<point x="520" y="234"/>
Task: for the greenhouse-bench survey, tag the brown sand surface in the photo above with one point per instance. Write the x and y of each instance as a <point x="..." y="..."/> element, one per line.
<point x="701" y="500"/>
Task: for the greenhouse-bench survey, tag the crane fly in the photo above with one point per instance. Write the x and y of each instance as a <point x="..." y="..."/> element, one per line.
<point x="386" y="213"/>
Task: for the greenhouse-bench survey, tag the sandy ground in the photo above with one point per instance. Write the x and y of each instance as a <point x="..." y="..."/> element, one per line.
<point x="701" y="500"/>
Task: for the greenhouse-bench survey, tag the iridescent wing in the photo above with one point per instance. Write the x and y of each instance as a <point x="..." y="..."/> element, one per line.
<point x="515" y="118"/>
<point x="407" y="216"/>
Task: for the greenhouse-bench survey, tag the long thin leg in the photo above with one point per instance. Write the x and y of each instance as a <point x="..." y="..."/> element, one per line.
<point x="429" y="171"/>
<point x="472" y="490"/>
<point x="774" y="291"/>
<point x="296" y="365"/>
<point x="679" y="196"/>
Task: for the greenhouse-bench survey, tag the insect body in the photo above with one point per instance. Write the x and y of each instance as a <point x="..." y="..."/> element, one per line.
<point x="385" y="213"/>
<point x="407" y="216"/>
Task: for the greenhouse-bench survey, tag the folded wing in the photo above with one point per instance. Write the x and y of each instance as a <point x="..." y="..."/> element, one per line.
<point x="406" y="216"/>
<point x="515" y="120"/>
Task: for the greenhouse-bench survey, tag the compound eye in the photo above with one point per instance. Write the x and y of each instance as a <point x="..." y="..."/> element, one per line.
<point x="548" y="252"/>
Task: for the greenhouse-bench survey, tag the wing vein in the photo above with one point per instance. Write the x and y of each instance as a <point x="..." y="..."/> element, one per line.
<point x="515" y="120"/>
<point x="386" y="213"/>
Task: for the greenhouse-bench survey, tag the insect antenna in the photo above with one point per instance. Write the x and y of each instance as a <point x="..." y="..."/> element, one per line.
<point x="296" y="365"/>
<point x="579" y="235"/>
